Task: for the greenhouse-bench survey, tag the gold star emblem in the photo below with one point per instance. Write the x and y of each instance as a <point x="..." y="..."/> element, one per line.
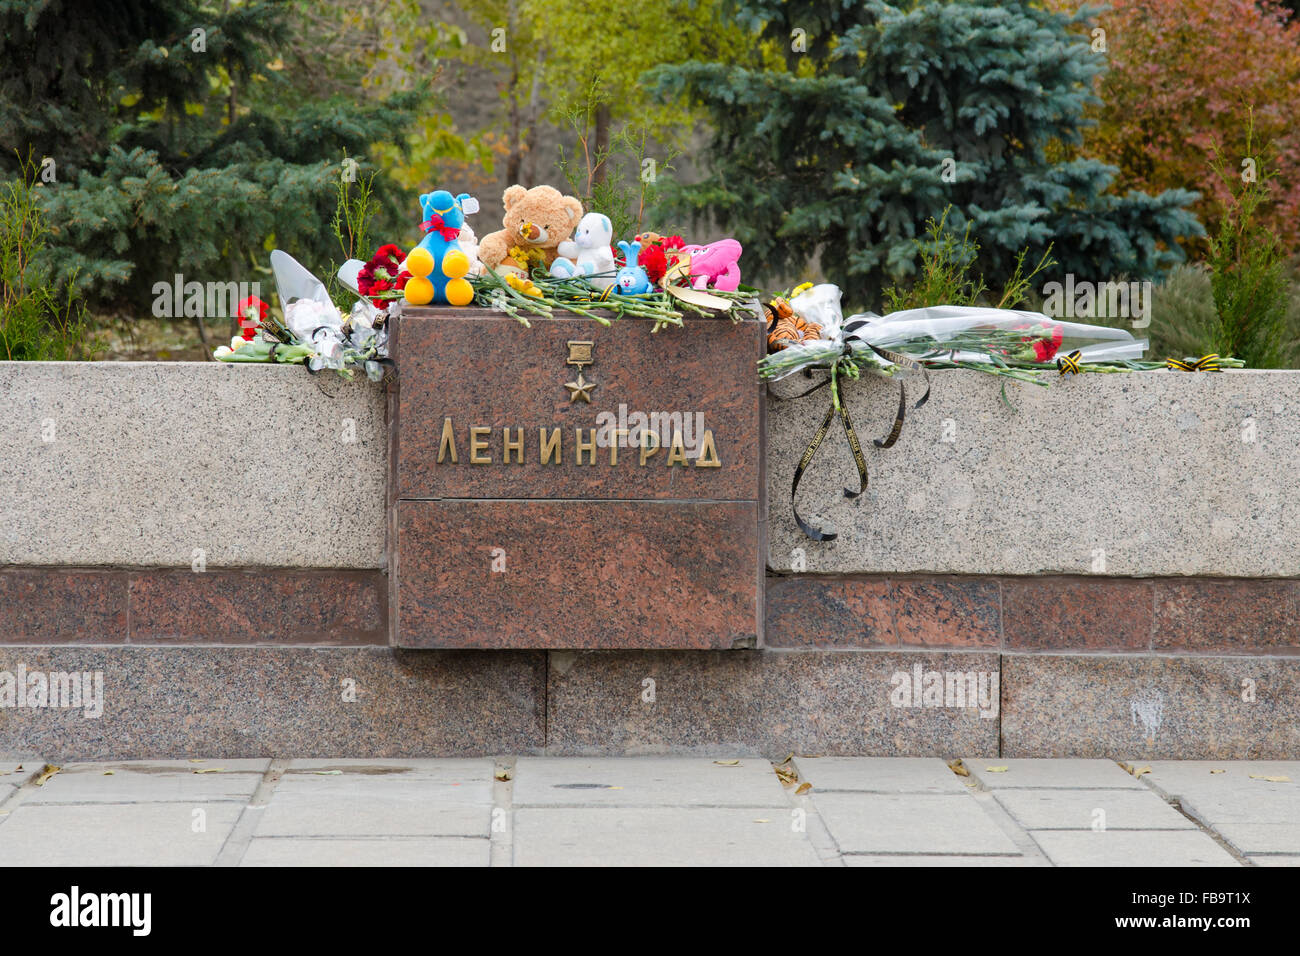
<point x="581" y="389"/>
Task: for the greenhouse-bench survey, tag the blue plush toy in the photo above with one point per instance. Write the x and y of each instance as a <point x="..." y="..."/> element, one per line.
<point x="438" y="265"/>
<point x="632" y="278"/>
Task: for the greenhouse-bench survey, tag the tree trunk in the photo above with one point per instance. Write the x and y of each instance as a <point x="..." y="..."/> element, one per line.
<point x="600" y="147"/>
<point x="533" y="119"/>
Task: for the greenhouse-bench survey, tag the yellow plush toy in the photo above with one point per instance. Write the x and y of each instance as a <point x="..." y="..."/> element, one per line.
<point x="535" y="222"/>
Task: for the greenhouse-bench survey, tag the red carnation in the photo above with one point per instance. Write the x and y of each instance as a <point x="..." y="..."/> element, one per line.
<point x="1046" y="349"/>
<point x="653" y="260"/>
<point x="381" y="274"/>
<point x="250" y="312"/>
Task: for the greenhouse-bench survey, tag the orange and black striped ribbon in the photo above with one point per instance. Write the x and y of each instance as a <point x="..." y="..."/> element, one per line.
<point x="1206" y="363"/>
<point x="1068" y="364"/>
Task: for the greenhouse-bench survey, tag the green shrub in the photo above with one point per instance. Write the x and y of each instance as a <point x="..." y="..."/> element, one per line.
<point x="40" y="319"/>
<point x="1248" y="272"/>
<point x="947" y="274"/>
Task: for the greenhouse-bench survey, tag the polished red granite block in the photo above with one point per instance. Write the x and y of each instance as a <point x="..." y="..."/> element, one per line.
<point x="270" y="606"/>
<point x="947" y="611"/>
<point x="933" y="611"/>
<point x="60" y="606"/>
<point x="1092" y="614"/>
<point x="576" y="574"/>
<point x="1227" y="615"/>
<point x="482" y="370"/>
<point x="826" y="612"/>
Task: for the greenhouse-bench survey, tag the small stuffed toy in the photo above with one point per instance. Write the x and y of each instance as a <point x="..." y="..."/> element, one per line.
<point x="716" y="265"/>
<point x="536" y="221"/>
<point x="469" y="246"/>
<point x="632" y="278"/>
<point x="438" y="265"/>
<point x="588" y="252"/>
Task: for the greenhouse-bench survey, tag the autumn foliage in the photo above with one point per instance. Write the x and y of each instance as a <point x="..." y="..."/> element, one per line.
<point x="1184" y="74"/>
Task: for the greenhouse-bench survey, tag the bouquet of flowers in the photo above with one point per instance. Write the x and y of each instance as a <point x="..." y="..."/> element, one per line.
<point x="809" y="332"/>
<point x="313" y="332"/>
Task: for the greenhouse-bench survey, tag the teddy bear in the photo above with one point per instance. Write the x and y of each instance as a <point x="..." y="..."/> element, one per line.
<point x="588" y="252"/>
<point x="536" y="221"/>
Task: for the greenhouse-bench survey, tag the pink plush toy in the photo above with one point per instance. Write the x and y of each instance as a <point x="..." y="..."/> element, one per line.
<point x="716" y="265"/>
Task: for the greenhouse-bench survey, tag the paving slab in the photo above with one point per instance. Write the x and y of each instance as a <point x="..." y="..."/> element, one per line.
<point x="129" y="834"/>
<point x="152" y="782"/>
<point x="1251" y="838"/>
<point x="413" y="851"/>
<point x="1057" y="809"/>
<point x="1069" y="774"/>
<point x="437" y="798"/>
<point x="646" y="781"/>
<point x="1281" y="860"/>
<point x="1131" y="848"/>
<point x="910" y="823"/>
<point x="912" y="859"/>
<point x="450" y="768"/>
<point x="880" y="774"/>
<point x="659" y="836"/>
<point x="1236" y="794"/>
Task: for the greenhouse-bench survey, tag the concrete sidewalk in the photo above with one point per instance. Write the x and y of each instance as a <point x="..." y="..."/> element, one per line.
<point x="549" y="811"/>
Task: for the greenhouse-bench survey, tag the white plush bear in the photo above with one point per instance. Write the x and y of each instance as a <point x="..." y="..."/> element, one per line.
<point x="469" y="246"/>
<point x="588" y="252"/>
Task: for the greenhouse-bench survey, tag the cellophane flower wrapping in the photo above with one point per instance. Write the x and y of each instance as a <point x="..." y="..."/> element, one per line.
<point x="941" y="331"/>
<point x="942" y="334"/>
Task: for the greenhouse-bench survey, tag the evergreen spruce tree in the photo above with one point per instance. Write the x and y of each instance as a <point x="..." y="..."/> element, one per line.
<point x="172" y="139"/>
<point x="855" y="122"/>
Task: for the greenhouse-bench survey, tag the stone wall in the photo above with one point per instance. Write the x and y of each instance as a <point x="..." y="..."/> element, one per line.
<point x="1114" y="561"/>
<point x="142" y="464"/>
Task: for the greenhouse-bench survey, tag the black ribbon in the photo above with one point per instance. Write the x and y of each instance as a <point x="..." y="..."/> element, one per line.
<point x="855" y="446"/>
<point x="837" y="406"/>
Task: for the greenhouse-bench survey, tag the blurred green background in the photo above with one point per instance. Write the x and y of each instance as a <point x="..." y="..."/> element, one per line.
<point x="1152" y="140"/>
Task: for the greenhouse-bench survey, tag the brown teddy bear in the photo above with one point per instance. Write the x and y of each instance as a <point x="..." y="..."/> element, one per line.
<point x="536" y="221"/>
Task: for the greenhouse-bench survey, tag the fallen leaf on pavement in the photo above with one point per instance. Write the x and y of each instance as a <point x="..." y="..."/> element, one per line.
<point x="787" y="776"/>
<point x="502" y="775"/>
<point x="996" y="769"/>
<point x="108" y="773"/>
<point x="803" y="788"/>
<point x="727" y="763"/>
<point x="760" y="820"/>
<point x="48" y="771"/>
<point x="959" y="768"/>
<point x="209" y="769"/>
<point x="1278" y="778"/>
<point x="1218" y="771"/>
